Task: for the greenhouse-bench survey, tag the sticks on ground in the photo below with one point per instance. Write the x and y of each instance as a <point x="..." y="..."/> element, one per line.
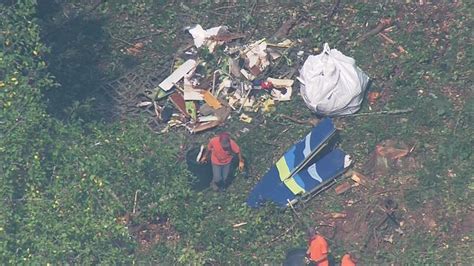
<point x="135" y="201"/>
<point x="311" y="122"/>
<point x="306" y="226"/>
<point x="120" y="39"/>
<point x="384" y="23"/>
<point x="289" y="229"/>
<point x="391" y="112"/>
<point x="334" y="8"/>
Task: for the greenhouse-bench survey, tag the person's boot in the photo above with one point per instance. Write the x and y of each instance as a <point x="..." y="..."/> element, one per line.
<point x="214" y="186"/>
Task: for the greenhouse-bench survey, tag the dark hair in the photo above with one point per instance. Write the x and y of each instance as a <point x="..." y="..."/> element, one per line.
<point x="224" y="139"/>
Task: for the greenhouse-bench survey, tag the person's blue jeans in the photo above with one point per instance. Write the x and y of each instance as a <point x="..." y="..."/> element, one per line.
<point x="220" y="172"/>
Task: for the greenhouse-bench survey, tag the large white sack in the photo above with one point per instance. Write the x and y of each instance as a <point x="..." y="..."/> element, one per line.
<point x="332" y="84"/>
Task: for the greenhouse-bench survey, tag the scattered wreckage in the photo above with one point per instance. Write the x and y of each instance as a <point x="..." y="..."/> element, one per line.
<point x="216" y="77"/>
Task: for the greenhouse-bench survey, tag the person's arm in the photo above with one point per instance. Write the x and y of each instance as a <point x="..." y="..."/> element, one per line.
<point x="320" y="259"/>
<point x="241" y="161"/>
<point x="205" y="156"/>
<point x="236" y="149"/>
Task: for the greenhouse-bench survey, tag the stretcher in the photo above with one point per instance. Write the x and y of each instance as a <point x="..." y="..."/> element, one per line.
<point x="307" y="167"/>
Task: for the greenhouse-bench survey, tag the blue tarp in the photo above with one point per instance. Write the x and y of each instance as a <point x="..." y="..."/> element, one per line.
<point x="302" y="169"/>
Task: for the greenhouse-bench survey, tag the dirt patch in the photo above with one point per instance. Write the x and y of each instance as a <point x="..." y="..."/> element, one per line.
<point x="374" y="210"/>
<point x="465" y="225"/>
<point x="425" y="219"/>
<point x="371" y="227"/>
<point x="152" y="233"/>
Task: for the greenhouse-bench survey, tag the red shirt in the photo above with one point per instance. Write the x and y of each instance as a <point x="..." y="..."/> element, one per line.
<point x="318" y="248"/>
<point x="218" y="155"/>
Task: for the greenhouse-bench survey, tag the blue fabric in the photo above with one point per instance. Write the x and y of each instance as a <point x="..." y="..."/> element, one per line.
<point x="290" y="157"/>
<point x="267" y="188"/>
<point x="325" y="168"/>
<point x="271" y="188"/>
<point x="318" y="135"/>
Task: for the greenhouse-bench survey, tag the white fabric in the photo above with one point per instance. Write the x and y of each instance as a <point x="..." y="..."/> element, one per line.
<point x="332" y="84"/>
<point x="314" y="173"/>
<point x="201" y="36"/>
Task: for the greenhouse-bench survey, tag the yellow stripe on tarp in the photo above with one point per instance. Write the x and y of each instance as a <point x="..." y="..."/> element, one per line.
<point x="283" y="169"/>
<point x="285" y="173"/>
<point x="293" y="186"/>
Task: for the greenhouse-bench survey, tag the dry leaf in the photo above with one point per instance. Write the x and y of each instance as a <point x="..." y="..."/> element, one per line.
<point x="359" y="178"/>
<point x="342" y="188"/>
<point x="373" y="97"/>
<point x="388" y="238"/>
<point x="135" y="49"/>
<point x="239" y="225"/>
<point x="350" y="202"/>
<point x="391" y="152"/>
<point x="337" y="215"/>
<point x="401" y="49"/>
<point x="139" y="45"/>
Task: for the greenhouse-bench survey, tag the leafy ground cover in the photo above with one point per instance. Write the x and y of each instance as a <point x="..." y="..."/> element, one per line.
<point x="80" y="190"/>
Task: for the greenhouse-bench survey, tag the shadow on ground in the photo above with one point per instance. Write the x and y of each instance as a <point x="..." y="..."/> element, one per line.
<point x="78" y="44"/>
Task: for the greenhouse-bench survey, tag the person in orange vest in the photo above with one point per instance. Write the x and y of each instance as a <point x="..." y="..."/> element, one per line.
<point x="349" y="260"/>
<point x="318" y="249"/>
<point x="221" y="149"/>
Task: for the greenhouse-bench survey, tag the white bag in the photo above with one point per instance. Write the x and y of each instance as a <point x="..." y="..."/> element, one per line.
<point x="331" y="83"/>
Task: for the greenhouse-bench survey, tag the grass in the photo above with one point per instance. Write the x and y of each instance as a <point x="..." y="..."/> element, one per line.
<point x="439" y="59"/>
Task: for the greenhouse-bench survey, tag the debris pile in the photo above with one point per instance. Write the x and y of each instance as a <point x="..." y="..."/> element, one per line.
<point x="219" y="76"/>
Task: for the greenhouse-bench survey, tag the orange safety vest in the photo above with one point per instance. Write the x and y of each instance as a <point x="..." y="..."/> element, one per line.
<point x="318" y="248"/>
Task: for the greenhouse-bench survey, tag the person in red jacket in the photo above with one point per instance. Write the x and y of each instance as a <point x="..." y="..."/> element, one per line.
<point x="221" y="149"/>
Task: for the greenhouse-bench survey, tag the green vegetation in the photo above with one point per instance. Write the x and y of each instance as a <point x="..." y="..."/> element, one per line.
<point x="79" y="188"/>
